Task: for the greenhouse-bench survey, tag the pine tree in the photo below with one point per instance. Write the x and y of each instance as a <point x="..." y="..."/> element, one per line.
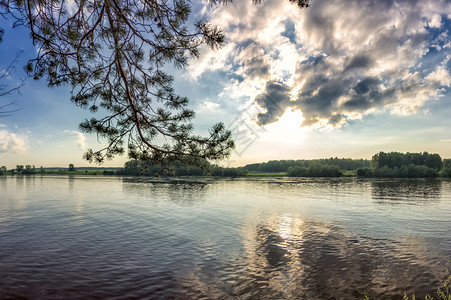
<point x="112" y="53"/>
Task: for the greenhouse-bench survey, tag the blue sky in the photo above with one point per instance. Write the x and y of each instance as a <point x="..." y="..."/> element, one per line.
<point x="342" y="78"/>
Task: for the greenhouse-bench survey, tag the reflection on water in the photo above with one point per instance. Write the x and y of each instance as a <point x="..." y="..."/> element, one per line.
<point x="187" y="194"/>
<point x="85" y="238"/>
<point x="180" y="193"/>
<point x="413" y="191"/>
<point x="286" y="256"/>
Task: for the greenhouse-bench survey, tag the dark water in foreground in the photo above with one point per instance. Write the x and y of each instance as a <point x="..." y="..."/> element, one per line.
<point x="101" y="237"/>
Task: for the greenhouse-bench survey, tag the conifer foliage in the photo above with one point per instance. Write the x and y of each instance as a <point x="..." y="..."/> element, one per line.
<point x="112" y="53"/>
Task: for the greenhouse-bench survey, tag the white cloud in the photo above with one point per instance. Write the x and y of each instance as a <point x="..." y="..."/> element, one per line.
<point x="440" y="76"/>
<point x="341" y="59"/>
<point x="436" y="21"/>
<point x="11" y="142"/>
<point x="210" y="61"/>
<point x="208" y="107"/>
<point x="78" y="137"/>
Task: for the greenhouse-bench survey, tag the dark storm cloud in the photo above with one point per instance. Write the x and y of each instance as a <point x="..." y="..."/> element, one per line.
<point x="322" y="100"/>
<point x="275" y="99"/>
<point x="319" y="100"/>
<point x="313" y="63"/>
<point x="358" y="62"/>
<point x="370" y="94"/>
<point x="367" y="84"/>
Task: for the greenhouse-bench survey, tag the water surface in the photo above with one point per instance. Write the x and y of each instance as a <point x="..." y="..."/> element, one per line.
<point x="124" y="238"/>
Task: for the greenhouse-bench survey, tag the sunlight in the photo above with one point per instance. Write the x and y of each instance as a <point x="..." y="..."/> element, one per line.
<point x="287" y="130"/>
<point x="289" y="229"/>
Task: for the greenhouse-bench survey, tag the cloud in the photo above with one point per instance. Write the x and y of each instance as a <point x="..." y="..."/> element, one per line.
<point x="252" y="61"/>
<point x="440" y="76"/>
<point x="337" y="60"/>
<point x="274" y="99"/>
<point x="11" y="142"/>
<point x="78" y="137"/>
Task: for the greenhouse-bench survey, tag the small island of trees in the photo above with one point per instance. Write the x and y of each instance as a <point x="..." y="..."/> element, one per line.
<point x="177" y="168"/>
<point x="406" y="165"/>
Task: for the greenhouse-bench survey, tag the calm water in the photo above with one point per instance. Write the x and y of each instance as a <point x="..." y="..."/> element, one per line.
<point x="118" y="238"/>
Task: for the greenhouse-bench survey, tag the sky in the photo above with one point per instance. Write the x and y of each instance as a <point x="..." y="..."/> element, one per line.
<point x="343" y="78"/>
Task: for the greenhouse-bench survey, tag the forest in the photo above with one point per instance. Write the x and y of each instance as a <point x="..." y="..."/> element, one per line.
<point x="382" y="164"/>
<point x="406" y="165"/>
<point x="283" y="165"/>
<point x="177" y="168"/>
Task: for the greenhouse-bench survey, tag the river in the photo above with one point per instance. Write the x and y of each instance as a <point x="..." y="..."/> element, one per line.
<point x="97" y="237"/>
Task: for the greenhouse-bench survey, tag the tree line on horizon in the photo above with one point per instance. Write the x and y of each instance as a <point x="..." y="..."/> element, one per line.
<point x="406" y="165"/>
<point x="21" y="169"/>
<point x="345" y="164"/>
<point x="142" y="168"/>
<point x="29" y="169"/>
<point x="382" y="164"/>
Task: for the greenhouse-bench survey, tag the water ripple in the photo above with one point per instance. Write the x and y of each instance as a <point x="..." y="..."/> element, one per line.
<point x="84" y="238"/>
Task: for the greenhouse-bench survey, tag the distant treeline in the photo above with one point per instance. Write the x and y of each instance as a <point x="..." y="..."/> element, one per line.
<point x="283" y="165"/>
<point x="176" y="168"/>
<point x="31" y="169"/>
<point x="136" y="168"/>
<point x="392" y="164"/>
<point x="382" y="164"/>
<point x="21" y="169"/>
<point x="406" y="165"/>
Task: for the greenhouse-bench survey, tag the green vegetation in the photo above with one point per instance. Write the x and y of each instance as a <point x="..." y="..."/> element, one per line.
<point x="315" y="170"/>
<point x="325" y="167"/>
<point x="176" y="168"/>
<point x="134" y="168"/>
<point x="393" y="164"/>
<point x="404" y="165"/>
<point x="3" y="170"/>
<point x="283" y="165"/>
<point x="382" y="165"/>
<point x="446" y="171"/>
<point x="99" y="171"/>
<point x="31" y="170"/>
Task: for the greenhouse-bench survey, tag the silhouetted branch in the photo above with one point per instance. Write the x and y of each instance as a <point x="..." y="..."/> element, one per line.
<point x="5" y="110"/>
<point x="5" y="73"/>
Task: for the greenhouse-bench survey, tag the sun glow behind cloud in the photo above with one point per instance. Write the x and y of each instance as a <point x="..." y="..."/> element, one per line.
<point x="287" y="131"/>
<point x="337" y="61"/>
